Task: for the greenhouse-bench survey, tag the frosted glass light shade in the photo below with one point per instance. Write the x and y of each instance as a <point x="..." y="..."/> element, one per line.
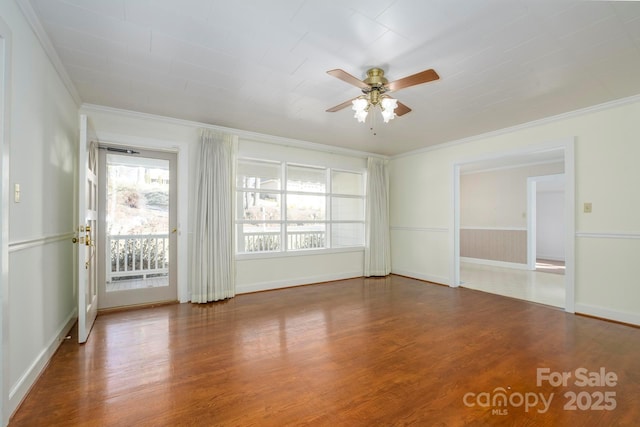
<point x="361" y="116"/>
<point x="360" y="107"/>
<point x="388" y="105"/>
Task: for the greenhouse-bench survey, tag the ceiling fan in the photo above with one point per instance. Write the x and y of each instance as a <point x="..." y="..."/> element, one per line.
<point x="374" y="92"/>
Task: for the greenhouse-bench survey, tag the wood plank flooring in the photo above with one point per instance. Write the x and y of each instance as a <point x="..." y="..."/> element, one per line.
<point x="360" y="352"/>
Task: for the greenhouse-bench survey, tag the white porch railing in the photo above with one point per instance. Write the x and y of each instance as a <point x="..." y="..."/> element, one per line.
<point x="270" y="241"/>
<point x="138" y="256"/>
<point x="297" y="240"/>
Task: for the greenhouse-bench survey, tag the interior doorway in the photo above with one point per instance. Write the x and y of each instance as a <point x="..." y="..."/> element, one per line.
<point x="137" y="214"/>
<point x="515" y="278"/>
<point x="546" y="223"/>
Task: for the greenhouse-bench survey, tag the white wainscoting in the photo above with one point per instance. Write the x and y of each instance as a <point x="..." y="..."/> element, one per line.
<point x="297" y="268"/>
<point x="36" y="335"/>
<point x="614" y="259"/>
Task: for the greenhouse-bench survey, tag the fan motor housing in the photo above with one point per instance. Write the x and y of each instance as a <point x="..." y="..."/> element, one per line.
<point x="375" y="78"/>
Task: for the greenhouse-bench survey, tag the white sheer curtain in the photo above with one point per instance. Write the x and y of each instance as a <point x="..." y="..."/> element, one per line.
<point x="213" y="263"/>
<point x="377" y="252"/>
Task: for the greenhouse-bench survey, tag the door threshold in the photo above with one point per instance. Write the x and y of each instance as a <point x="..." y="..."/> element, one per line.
<point x="136" y="306"/>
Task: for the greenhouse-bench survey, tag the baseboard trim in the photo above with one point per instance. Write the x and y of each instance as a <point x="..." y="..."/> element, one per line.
<point x="439" y="280"/>
<point x="493" y="263"/>
<point x="280" y="284"/>
<point x="551" y="257"/>
<point x="494" y="228"/>
<point x="421" y="229"/>
<point x="21" y="388"/>
<point x="608" y="314"/>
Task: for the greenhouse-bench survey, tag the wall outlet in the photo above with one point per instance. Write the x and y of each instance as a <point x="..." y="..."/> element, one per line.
<point x="587" y="207"/>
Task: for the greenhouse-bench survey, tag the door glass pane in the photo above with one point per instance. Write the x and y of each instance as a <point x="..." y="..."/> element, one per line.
<point x="137" y="222"/>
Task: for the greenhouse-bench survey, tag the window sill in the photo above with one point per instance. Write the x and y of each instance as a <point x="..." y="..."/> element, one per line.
<point x="266" y="255"/>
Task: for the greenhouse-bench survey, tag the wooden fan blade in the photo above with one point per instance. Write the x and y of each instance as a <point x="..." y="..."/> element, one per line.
<point x="346" y="77"/>
<point x="340" y="106"/>
<point x="402" y="109"/>
<point x="415" y="79"/>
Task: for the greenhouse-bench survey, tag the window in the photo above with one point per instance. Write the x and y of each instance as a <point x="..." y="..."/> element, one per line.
<point x="316" y="208"/>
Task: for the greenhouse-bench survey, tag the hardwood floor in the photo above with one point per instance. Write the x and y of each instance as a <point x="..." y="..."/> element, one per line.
<point x="359" y="352"/>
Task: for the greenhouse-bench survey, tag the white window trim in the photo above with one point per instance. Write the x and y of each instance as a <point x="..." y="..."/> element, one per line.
<point x="302" y="252"/>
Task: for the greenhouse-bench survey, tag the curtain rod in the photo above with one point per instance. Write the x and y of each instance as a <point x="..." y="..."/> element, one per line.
<point x="118" y="150"/>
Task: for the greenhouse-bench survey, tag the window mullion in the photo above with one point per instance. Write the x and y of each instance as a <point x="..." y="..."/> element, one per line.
<point x="284" y="212"/>
<point x="329" y="210"/>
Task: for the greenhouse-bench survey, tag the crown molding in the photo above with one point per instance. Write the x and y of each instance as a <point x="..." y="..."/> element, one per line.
<point x="248" y="135"/>
<point x="32" y="18"/>
<point x="512" y="166"/>
<point x="575" y="113"/>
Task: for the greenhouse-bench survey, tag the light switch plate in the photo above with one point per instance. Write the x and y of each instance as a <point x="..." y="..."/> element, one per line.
<point x="587" y="207"/>
<point x="16" y="193"/>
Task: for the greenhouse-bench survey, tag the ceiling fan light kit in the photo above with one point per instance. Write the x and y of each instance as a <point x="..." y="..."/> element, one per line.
<point x="374" y="89"/>
<point x="361" y="106"/>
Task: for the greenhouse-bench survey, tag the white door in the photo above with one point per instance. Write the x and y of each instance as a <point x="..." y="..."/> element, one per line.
<point x="86" y="231"/>
<point x="137" y="223"/>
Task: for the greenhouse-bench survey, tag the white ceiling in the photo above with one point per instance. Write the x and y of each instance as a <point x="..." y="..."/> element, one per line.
<point x="260" y="65"/>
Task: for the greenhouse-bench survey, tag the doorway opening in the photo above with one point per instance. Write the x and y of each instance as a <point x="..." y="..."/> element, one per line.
<point x="5" y="105"/>
<point x="137" y="214"/>
<point x="495" y="255"/>
<point x="546" y="223"/>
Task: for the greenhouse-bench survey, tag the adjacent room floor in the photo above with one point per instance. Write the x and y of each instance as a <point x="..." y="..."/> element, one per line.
<point x="359" y="352"/>
<point x="536" y="286"/>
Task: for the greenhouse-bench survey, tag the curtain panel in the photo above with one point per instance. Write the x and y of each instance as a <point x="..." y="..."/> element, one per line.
<point x="212" y="257"/>
<point x="377" y="252"/>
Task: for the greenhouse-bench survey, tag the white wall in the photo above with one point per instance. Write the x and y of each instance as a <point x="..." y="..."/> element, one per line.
<point x="41" y="296"/>
<point x="606" y="153"/>
<point x="253" y="273"/>
<point x="498" y="198"/>
<point x="550" y="227"/>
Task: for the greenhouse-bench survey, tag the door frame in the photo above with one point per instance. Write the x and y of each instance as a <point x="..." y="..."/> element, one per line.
<point x="5" y="133"/>
<point x="566" y="145"/>
<point x="139" y="296"/>
<point x="532" y="216"/>
<point x="182" y="151"/>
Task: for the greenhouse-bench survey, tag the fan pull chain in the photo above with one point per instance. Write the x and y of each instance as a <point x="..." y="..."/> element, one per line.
<point x="373" y="123"/>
